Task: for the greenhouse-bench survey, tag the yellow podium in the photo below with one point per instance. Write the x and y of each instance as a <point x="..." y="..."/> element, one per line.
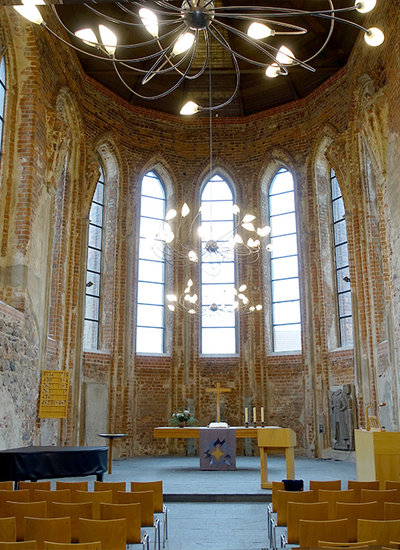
<point x="281" y="439"/>
<point x="377" y="456"/>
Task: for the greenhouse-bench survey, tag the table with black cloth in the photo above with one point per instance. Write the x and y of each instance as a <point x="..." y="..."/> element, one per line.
<point x="33" y="463"/>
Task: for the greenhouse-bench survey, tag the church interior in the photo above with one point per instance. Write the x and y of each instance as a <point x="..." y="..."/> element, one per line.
<point x="83" y="163"/>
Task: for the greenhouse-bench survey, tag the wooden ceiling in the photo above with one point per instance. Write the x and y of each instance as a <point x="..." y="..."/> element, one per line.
<point x="256" y="91"/>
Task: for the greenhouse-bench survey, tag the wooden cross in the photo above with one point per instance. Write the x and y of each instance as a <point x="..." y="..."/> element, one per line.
<point x="218" y="390"/>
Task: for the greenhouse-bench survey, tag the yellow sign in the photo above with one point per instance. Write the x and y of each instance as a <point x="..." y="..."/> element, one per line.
<point x="54" y="394"/>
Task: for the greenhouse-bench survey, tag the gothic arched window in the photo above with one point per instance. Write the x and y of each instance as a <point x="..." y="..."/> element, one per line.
<point x="218" y="318"/>
<point x="151" y="268"/>
<point x="286" y="323"/>
<point x="93" y="268"/>
<point x="341" y="263"/>
<point x="2" y="97"/>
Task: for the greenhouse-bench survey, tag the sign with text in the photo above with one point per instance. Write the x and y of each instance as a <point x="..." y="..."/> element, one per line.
<point x="54" y="394"/>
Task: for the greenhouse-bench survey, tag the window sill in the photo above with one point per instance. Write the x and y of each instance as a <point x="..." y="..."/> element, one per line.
<point x="284" y="353"/>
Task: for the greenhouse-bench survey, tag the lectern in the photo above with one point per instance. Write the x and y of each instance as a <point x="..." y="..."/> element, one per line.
<point x="279" y="439"/>
<point x="377" y="456"/>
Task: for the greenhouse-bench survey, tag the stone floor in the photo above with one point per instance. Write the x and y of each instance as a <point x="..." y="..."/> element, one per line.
<point x="221" y="510"/>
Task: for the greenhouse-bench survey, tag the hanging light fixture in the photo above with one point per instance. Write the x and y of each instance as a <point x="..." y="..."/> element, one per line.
<point x="180" y="35"/>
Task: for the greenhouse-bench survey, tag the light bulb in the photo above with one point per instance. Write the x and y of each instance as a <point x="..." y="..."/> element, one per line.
<point x="187" y="295"/>
<point x="264" y="231"/>
<point x="238" y="239"/>
<point x="171" y="214"/>
<point x="190" y="108"/>
<point x="30" y="12"/>
<point x="269" y="247"/>
<point x="185" y="210"/>
<point x="169" y="237"/>
<point x="194" y="298"/>
<point x="200" y="231"/>
<point x="252" y="308"/>
<point x="235" y="209"/>
<point x="285" y="56"/>
<point x="172" y="297"/>
<point x="251" y="243"/>
<point x="248" y="226"/>
<point x="171" y="307"/>
<point x="245" y="300"/>
<point x="192" y="256"/>
<point x="364" y="6"/>
<point x="374" y="37"/>
<point x="242" y="288"/>
<point x="108" y="38"/>
<point x="191" y="311"/>
<point x="184" y="42"/>
<point x="248" y="218"/>
<point x="241" y="296"/>
<point x="190" y="283"/>
<point x="235" y="305"/>
<point x="273" y="70"/>
<point x="258" y="307"/>
<point x="259" y="31"/>
<point x="150" y="21"/>
<point x="87" y="36"/>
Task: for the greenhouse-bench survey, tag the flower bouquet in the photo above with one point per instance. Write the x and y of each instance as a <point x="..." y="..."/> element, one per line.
<point x="182" y="418"/>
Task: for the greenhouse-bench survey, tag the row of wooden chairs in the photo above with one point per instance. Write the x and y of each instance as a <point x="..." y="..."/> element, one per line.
<point x="106" y="534"/>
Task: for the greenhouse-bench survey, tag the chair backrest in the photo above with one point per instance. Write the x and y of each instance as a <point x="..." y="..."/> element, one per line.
<point x="391" y="510"/>
<point x="74" y="510"/>
<point x="32" y="486"/>
<point x="291" y="496"/>
<point x="392" y="484"/>
<point x="146" y="500"/>
<point x="332" y="497"/>
<point x="340" y="545"/>
<point x="331" y="484"/>
<point x="8" y="529"/>
<point x="311" y="531"/>
<point x="132" y="514"/>
<point x="303" y="510"/>
<point x="73" y="485"/>
<point x="15" y="496"/>
<point x="380" y="495"/>
<point x="95" y="497"/>
<point x="49" y="529"/>
<point x="383" y="531"/>
<point x="358" y="485"/>
<point x="113" y="486"/>
<point x="156" y="487"/>
<point x="6" y="485"/>
<point x="20" y="510"/>
<point x="110" y="532"/>
<point x="276" y="486"/>
<point x="59" y="495"/>
<point x="354" y="511"/>
<point x="20" y="545"/>
<point x="70" y="546"/>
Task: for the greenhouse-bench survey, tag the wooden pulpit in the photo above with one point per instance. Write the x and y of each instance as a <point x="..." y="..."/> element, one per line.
<point x="377" y="456"/>
<point x="283" y="439"/>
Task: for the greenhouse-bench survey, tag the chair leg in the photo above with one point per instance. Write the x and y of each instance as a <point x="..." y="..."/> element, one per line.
<point x="273" y="533"/>
<point x="145" y="542"/>
<point x="165" y="530"/>
<point x="269" y="515"/>
<point x="283" y="540"/>
<point x="157" y="536"/>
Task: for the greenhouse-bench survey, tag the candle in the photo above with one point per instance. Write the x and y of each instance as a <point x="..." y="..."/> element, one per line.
<point x="254" y="414"/>
<point x="246" y="415"/>
<point x="262" y="414"/>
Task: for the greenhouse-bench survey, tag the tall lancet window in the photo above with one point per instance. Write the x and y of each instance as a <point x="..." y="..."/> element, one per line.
<point x="93" y="269"/>
<point x="151" y="268"/>
<point x="341" y="264"/>
<point x="2" y="97"/>
<point x="286" y="326"/>
<point x="218" y="319"/>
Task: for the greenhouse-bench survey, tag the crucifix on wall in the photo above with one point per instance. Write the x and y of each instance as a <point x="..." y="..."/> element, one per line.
<point x="218" y="390"/>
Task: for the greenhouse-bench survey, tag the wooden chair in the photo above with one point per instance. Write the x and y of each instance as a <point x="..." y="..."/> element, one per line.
<point x="73" y="486"/>
<point x="130" y="512"/>
<point x="303" y="510"/>
<point x="383" y="531"/>
<point x="291" y="496"/>
<point x="21" y="510"/>
<point x="342" y="545"/>
<point x="381" y="496"/>
<point x="391" y="510"/>
<point x="146" y="500"/>
<point x="311" y="531"/>
<point x="33" y="486"/>
<point x="48" y="529"/>
<point x="72" y="546"/>
<point x="332" y="497"/>
<point x="114" y="486"/>
<point x="15" y="496"/>
<point x="395" y="484"/>
<point x="358" y="485"/>
<point x="110" y="532"/>
<point x="73" y="510"/>
<point x="330" y="484"/>
<point x="8" y="529"/>
<point x="20" y="545"/>
<point x="276" y="486"/>
<point x="95" y="497"/>
<point x="6" y="485"/>
<point x="159" y="506"/>
<point x="354" y="511"/>
<point x="59" y="495"/>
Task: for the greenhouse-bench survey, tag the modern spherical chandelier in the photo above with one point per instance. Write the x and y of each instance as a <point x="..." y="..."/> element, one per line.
<point x="174" y="37"/>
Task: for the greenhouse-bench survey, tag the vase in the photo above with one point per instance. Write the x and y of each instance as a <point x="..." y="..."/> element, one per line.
<point x="181" y="424"/>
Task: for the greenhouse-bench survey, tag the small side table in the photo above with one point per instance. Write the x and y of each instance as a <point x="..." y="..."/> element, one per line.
<point x="111" y="438"/>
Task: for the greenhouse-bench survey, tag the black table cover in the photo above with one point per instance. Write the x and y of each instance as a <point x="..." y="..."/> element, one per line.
<point x="49" y="462"/>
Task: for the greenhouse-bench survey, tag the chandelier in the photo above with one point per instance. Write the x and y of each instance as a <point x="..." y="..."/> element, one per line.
<point x="174" y="37"/>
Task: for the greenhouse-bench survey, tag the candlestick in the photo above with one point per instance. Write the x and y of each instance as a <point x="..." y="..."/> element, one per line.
<point x="246" y="415"/>
<point x="254" y="415"/>
<point x="262" y="414"/>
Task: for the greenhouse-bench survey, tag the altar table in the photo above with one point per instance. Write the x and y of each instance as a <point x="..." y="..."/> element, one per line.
<point x="269" y="437"/>
<point x="37" y="462"/>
